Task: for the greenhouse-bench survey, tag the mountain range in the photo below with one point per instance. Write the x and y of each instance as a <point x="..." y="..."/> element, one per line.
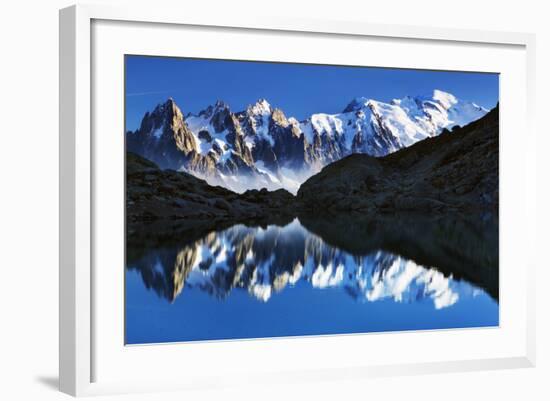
<point x="453" y="171"/>
<point x="261" y="147"/>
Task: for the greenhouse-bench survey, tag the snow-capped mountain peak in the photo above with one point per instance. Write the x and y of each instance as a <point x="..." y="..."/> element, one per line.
<point x="218" y="106"/>
<point x="261" y="107"/>
<point x="356" y="104"/>
<point x="165" y="115"/>
<point x="446" y="99"/>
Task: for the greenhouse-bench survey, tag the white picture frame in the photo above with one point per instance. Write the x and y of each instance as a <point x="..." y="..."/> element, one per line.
<point x="77" y="317"/>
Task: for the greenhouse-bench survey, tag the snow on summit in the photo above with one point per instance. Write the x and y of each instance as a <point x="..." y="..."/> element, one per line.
<point x="445" y="99"/>
<point x="261" y="107"/>
<point x="270" y="149"/>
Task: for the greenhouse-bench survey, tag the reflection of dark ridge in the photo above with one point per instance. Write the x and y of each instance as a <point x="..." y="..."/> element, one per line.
<point x="464" y="246"/>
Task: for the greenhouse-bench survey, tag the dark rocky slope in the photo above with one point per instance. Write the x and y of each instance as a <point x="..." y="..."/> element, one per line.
<point x="454" y="171"/>
<point x="153" y="194"/>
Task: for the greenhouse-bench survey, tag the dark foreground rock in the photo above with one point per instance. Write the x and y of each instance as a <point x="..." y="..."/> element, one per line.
<point x="454" y="171"/>
<point x="153" y="194"/>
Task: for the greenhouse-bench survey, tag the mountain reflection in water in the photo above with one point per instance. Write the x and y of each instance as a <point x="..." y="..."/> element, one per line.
<point x="420" y="266"/>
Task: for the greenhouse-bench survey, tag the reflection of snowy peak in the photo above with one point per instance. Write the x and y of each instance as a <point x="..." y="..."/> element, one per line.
<point x="266" y="261"/>
<point x="269" y="149"/>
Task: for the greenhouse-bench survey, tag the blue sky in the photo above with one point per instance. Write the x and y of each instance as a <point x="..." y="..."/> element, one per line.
<point x="298" y="89"/>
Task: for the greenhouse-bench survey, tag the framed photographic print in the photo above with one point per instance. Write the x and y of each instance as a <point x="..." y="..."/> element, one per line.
<point x="238" y="194"/>
<point x="250" y="224"/>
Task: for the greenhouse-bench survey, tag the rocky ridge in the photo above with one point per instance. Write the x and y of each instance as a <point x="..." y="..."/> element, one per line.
<point x="154" y="194"/>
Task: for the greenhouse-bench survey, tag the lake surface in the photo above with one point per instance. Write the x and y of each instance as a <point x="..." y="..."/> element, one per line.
<point x="311" y="276"/>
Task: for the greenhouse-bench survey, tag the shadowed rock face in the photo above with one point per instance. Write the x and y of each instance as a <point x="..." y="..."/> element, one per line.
<point x="453" y="171"/>
<point x="163" y="132"/>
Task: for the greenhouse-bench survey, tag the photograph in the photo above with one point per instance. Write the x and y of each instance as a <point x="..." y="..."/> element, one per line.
<point x="256" y="201"/>
<point x="275" y="199"/>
